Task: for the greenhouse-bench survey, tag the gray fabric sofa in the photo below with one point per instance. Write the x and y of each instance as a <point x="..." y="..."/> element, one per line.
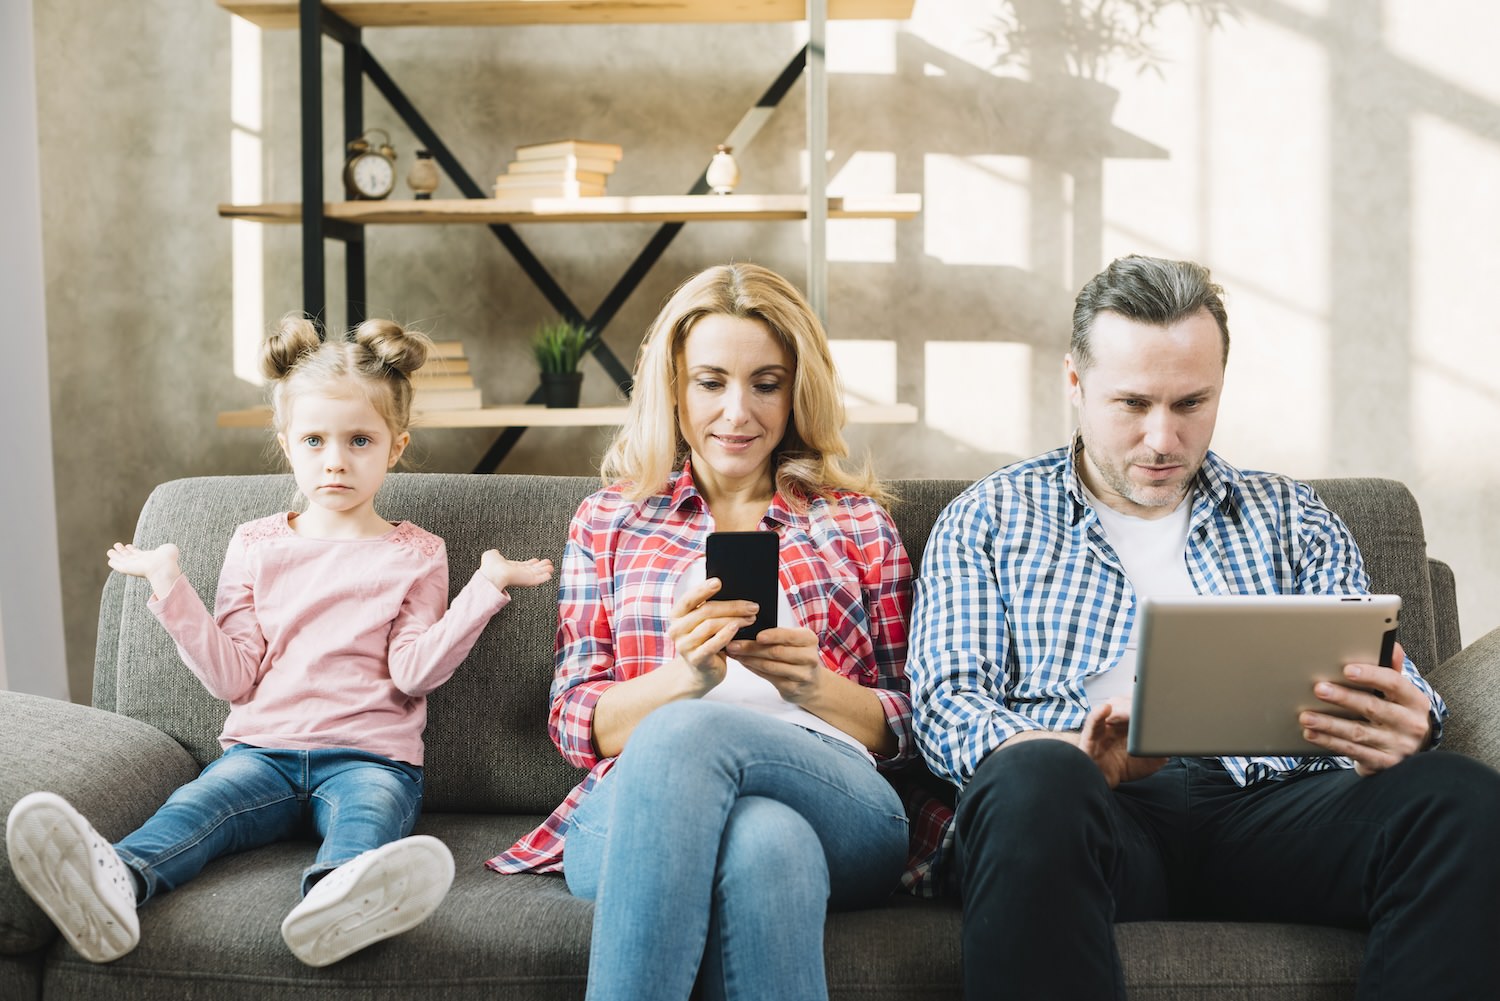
<point x="492" y="773"/>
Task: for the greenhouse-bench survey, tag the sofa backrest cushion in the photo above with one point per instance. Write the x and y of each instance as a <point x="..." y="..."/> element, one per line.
<point x="487" y="748"/>
<point x="1386" y="522"/>
<point x="486" y="741"/>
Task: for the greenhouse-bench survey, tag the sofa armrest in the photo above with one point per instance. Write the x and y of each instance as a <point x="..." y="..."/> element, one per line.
<point x="115" y="770"/>
<point x="1444" y="609"/>
<point x="1469" y="682"/>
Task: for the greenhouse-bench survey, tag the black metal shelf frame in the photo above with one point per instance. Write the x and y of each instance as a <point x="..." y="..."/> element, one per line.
<point x="317" y="21"/>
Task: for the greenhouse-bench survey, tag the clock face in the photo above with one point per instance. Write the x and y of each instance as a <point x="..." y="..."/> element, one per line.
<point x="374" y="176"/>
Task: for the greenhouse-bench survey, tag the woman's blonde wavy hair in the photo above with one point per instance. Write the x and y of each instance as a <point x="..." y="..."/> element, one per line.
<point x="811" y="460"/>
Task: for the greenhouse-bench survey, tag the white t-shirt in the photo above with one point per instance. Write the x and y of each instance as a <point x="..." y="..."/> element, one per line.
<point x="743" y="687"/>
<point x="1154" y="555"/>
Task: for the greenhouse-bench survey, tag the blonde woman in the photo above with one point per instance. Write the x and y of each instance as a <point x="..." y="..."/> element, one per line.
<point x="734" y="791"/>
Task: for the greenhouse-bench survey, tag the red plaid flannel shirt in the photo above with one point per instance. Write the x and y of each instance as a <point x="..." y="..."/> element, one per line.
<point x="846" y="576"/>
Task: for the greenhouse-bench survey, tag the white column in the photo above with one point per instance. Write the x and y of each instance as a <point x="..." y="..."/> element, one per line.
<point x="31" y="620"/>
<point x="817" y="158"/>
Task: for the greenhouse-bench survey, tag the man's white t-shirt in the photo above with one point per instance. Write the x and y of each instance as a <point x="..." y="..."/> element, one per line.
<point x="1154" y="555"/>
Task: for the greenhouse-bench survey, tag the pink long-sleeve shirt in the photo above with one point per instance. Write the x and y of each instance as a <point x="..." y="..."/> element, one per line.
<point x="320" y="643"/>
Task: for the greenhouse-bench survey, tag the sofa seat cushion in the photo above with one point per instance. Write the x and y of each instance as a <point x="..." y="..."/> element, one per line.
<point x="69" y="749"/>
<point x="527" y="937"/>
<point x="21" y="975"/>
<point x="218" y="937"/>
<point x="910" y="949"/>
<point x="1238" y="961"/>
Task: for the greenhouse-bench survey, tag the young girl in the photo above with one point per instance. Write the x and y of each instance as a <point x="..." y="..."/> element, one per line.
<point x="329" y="631"/>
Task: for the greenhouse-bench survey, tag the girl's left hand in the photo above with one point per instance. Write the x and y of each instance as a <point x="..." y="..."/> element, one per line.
<point x="787" y="658"/>
<point x="504" y="573"/>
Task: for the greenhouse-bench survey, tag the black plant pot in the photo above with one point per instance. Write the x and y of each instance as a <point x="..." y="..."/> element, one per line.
<point x="561" y="389"/>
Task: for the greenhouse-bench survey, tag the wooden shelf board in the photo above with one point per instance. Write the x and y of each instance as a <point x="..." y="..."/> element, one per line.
<point x="540" y="416"/>
<point x="282" y="14"/>
<point x="607" y="208"/>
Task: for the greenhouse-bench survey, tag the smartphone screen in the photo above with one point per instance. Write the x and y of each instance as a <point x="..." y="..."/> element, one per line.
<point x="746" y="563"/>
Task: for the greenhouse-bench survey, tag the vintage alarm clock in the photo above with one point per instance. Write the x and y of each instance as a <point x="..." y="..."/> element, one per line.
<point x="370" y="170"/>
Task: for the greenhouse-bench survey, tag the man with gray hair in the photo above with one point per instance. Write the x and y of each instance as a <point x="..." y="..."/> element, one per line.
<point x="1021" y="664"/>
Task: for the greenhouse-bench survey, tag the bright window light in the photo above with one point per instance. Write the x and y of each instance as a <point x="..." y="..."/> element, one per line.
<point x="245" y="184"/>
<point x="867" y="370"/>
<point x="979" y="393"/>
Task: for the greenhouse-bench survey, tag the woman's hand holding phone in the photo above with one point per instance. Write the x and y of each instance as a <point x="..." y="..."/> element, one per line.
<point x="700" y="628"/>
<point x="786" y="657"/>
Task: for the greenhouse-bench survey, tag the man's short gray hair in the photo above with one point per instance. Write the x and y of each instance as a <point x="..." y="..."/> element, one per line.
<point x="1148" y="290"/>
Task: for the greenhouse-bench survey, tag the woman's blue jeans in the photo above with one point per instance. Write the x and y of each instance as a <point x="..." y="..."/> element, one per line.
<point x="254" y="796"/>
<point x="722" y="837"/>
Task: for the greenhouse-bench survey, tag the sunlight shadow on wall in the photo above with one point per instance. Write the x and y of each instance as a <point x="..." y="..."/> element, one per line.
<point x="979" y="392"/>
<point x="860" y="46"/>
<point x="1457" y="347"/>
<point x="872" y="241"/>
<point x="954" y="186"/>
<point x="867" y="369"/>
<point x="1453" y="43"/>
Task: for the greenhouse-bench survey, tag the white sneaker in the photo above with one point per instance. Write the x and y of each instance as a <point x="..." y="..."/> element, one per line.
<point x="381" y="893"/>
<point x="74" y="875"/>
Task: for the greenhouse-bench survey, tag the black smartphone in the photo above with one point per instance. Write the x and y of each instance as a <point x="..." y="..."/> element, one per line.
<point x="746" y="563"/>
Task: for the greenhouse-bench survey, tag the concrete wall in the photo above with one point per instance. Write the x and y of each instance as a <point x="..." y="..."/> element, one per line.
<point x="1326" y="157"/>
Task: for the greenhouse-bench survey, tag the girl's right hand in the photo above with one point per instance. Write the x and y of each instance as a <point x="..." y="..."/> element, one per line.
<point x="158" y="566"/>
<point x="700" y="629"/>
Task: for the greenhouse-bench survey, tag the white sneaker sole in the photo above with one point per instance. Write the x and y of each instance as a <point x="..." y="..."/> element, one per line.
<point x="382" y="893"/>
<point x="73" y="875"/>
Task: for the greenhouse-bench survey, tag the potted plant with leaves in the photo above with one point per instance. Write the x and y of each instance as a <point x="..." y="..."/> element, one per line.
<point x="559" y="345"/>
<point x="1069" y="46"/>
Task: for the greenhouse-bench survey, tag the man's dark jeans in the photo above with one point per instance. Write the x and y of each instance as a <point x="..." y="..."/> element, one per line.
<point x="1052" y="857"/>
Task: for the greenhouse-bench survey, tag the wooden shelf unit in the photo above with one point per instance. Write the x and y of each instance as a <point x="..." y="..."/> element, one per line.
<point x="530" y="415"/>
<point x="320" y="219"/>
<point x="606" y="208"/>
<point x="282" y="14"/>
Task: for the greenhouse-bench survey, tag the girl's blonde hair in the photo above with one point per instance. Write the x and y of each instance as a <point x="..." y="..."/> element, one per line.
<point x="809" y="461"/>
<point x="376" y="359"/>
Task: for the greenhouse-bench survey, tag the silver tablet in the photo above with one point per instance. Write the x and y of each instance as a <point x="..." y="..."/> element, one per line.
<point x="1227" y="675"/>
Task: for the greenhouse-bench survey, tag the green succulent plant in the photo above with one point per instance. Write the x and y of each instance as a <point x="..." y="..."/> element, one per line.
<point x="559" y="345"/>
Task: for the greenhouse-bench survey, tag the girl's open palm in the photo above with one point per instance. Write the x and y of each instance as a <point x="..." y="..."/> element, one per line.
<point x="505" y="573"/>
<point x="159" y="565"/>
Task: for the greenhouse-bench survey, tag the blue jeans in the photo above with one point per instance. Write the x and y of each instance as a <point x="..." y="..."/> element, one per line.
<point x="723" y="837"/>
<point x="254" y="796"/>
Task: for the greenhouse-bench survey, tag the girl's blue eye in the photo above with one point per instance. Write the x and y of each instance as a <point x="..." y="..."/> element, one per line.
<point x="312" y="441"/>
<point x="360" y="441"/>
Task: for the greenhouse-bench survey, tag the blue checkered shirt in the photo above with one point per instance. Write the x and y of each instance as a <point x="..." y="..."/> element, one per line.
<point x="1021" y="598"/>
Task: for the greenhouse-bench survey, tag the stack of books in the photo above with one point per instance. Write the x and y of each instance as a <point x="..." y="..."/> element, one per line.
<point x="568" y="168"/>
<point x="444" y="381"/>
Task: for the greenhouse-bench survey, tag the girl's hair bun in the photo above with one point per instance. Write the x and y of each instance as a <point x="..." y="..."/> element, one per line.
<point x="376" y="358"/>
<point x="395" y="346"/>
<point x="295" y="337"/>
